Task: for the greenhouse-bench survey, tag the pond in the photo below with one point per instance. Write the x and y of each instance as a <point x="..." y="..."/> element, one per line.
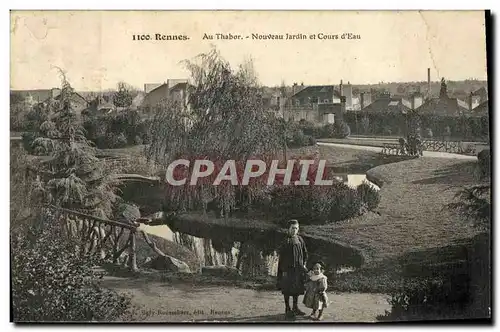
<point x="210" y="253"/>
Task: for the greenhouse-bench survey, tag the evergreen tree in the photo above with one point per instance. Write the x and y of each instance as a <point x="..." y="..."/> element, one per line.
<point x="123" y="97"/>
<point x="443" y="92"/>
<point x="77" y="179"/>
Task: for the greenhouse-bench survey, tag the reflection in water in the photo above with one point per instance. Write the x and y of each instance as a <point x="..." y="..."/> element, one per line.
<point x="247" y="257"/>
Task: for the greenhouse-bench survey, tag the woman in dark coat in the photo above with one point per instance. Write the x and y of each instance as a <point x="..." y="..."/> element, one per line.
<point x="292" y="268"/>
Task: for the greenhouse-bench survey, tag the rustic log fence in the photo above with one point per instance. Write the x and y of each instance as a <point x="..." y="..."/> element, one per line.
<point x="112" y="240"/>
<point x="430" y="145"/>
<point x="449" y="146"/>
<point x="108" y="238"/>
<point x="391" y="150"/>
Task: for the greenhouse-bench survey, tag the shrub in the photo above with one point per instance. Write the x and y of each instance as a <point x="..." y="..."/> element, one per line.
<point x="345" y="202"/>
<point x="312" y="140"/>
<point x="50" y="282"/>
<point x="310" y="204"/>
<point x="342" y="129"/>
<point x="314" y="204"/>
<point x="439" y="297"/>
<point x="484" y="162"/>
<point x="309" y="129"/>
<point x="369" y="195"/>
<point x="469" y="149"/>
<point x="28" y="139"/>
<point x="100" y="129"/>
<point x="298" y="139"/>
<point x="114" y="141"/>
<point x="138" y="140"/>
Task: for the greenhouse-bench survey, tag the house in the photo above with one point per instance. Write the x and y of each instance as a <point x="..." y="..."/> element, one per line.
<point x="329" y="113"/>
<point x="482" y="93"/>
<point x="444" y="106"/>
<point x="99" y="106"/>
<point x="172" y="89"/>
<point x="387" y="104"/>
<point x="305" y="103"/>
<point x="34" y="97"/>
<point x="138" y="100"/>
<point x="78" y="103"/>
<point x="179" y="93"/>
<point x="365" y="99"/>
<point x="323" y="104"/>
<point x="271" y="98"/>
<point x="481" y="110"/>
<point x="315" y="94"/>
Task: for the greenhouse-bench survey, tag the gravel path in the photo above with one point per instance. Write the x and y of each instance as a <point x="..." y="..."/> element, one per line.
<point x="187" y="303"/>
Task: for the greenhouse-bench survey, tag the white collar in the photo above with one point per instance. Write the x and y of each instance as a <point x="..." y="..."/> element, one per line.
<point x="314" y="277"/>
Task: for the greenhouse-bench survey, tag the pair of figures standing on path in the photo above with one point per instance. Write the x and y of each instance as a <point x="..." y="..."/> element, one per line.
<point x="294" y="279"/>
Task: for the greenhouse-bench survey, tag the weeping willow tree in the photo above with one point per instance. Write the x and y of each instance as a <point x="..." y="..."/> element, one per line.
<point x="74" y="177"/>
<point x="223" y="119"/>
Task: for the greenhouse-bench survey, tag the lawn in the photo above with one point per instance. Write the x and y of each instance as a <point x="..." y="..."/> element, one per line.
<point x="412" y="215"/>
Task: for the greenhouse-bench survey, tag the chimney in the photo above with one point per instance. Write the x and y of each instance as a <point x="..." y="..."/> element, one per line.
<point x="362" y="100"/>
<point x="470" y="101"/>
<point x="348" y="95"/>
<point x="294" y="88"/>
<point x="428" y="82"/>
<point x="341" y="89"/>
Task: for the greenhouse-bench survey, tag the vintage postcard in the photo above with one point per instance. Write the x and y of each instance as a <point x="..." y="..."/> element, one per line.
<point x="250" y="166"/>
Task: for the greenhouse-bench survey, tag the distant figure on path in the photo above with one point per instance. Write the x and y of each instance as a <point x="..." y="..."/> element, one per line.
<point x="419" y="149"/>
<point x="292" y="271"/>
<point x="402" y="145"/>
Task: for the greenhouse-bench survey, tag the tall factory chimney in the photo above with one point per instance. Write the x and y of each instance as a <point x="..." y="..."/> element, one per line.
<point x="428" y="82"/>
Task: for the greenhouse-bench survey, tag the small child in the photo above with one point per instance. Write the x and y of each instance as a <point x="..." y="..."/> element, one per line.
<point x="315" y="296"/>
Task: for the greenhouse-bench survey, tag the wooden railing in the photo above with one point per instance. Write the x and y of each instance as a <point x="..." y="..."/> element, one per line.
<point x="449" y="146"/>
<point x="391" y="149"/>
<point x="108" y="238"/>
<point x="431" y="145"/>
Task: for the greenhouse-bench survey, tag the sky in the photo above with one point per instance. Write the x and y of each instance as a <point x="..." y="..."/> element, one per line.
<point x="96" y="48"/>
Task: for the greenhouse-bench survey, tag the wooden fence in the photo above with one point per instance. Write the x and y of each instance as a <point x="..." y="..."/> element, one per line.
<point x="449" y="146"/>
<point x="431" y="145"/>
<point x="110" y="239"/>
